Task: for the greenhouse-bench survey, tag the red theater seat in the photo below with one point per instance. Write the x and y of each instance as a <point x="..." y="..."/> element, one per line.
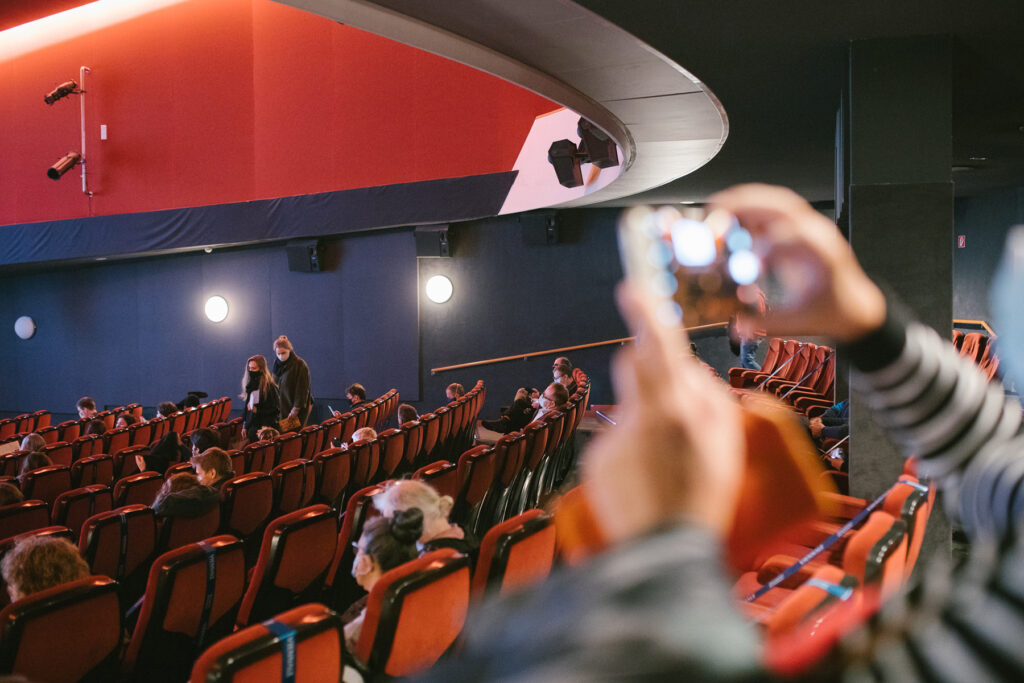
<point x="95" y="469"/>
<point x="27" y="515"/>
<point x="120" y="544"/>
<point x="514" y="554"/>
<point x="294" y="557"/>
<point x="46" y="483"/>
<point x="294" y="485"/>
<point x="289" y="447"/>
<point x="248" y="501"/>
<point x="442" y="475"/>
<point x="178" y="531"/>
<point x="191" y="599"/>
<point x="333" y="468"/>
<point x="73" y="507"/>
<point x="136" y="489"/>
<point x="255" y="654"/>
<point x="392" y="448"/>
<point x="71" y="632"/>
<point x="59" y="453"/>
<point x="477" y="473"/>
<point x="414" y="613"/>
<point x="342" y="589"/>
<point x="260" y="455"/>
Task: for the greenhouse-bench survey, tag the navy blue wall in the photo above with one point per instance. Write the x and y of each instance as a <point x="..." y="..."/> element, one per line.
<point x="136" y="331"/>
<point x="984" y="221"/>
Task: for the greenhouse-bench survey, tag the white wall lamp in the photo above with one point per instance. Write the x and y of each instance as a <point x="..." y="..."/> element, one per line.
<point x="25" y="327"/>
<point x="439" y="289"/>
<point x="216" y="309"/>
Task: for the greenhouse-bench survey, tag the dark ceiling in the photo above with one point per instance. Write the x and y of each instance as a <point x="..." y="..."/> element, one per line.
<point x="778" y="67"/>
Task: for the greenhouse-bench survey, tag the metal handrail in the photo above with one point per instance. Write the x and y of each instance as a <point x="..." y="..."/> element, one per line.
<point x="980" y="323"/>
<point x="788" y="361"/>
<point x="811" y="372"/>
<point x="563" y="349"/>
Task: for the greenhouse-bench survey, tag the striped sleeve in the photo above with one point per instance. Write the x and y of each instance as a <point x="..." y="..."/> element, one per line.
<point x="940" y="407"/>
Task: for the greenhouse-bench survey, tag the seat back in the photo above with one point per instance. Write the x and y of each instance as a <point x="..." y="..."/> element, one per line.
<point x="67" y="431"/>
<point x="248" y="502"/>
<point x="342" y="588"/>
<point x="260" y="456"/>
<point x="116" y="439"/>
<point x="50" y="434"/>
<point x="365" y="462"/>
<point x="442" y="475"/>
<point x="81" y="618"/>
<point x="332" y="428"/>
<point x="877" y="552"/>
<point x="414" y="613"/>
<point x="310" y="441"/>
<point x="431" y="426"/>
<point x="294" y="485"/>
<point x="392" y="448"/>
<point x="514" y="554"/>
<point x="191" y="600"/>
<point x="333" y="469"/>
<point x="137" y="489"/>
<point x="124" y="460"/>
<point x="95" y="469"/>
<point x="73" y="507"/>
<point x="46" y="483"/>
<point x="477" y="473"/>
<point x="27" y="515"/>
<point x="120" y="544"/>
<point x="59" y="453"/>
<point x="827" y="586"/>
<point x="178" y="531"/>
<point x="348" y="426"/>
<point x="294" y="557"/>
<point x="974" y="345"/>
<point x="413" y="431"/>
<point x="141" y="434"/>
<point x="256" y="654"/>
<point x="289" y="447"/>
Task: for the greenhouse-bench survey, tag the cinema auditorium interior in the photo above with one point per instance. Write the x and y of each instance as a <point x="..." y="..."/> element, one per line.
<point x="534" y="340"/>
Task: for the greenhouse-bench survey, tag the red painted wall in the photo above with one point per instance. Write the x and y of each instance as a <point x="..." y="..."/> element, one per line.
<point x="215" y="101"/>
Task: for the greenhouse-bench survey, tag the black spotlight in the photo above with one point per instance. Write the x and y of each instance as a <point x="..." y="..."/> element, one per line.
<point x="562" y="154"/>
<point x="596" y="146"/>
<point x="68" y="162"/>
<point x="61" y="91"/>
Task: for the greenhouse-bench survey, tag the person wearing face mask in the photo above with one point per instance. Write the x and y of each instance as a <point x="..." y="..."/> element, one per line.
<point x="386" y="543"/>
<point x="555" y="397"/>
<point x="561" y="371"/>
<point x="259" y="390"/>
<point x="295" y="399"/>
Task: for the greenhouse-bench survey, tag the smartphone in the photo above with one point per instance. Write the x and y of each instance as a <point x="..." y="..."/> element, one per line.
<point x="701" y="268"/>
<point x="329" y="408"/>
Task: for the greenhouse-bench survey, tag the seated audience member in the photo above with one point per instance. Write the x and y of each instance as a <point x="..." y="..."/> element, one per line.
<point x="663" y="486"/>
<point x="555" y="397"/>
<point x="202" y="439"/>
<point x="10" y="494"/>
<point x="193" y="400"/>
<point x="561" y="372"/>
<point x="364" y="434"/>
<point x="36" y="563"/>
<point x="33" y="461"/>
<point x="213" y="467"/>
<point x="33" y="443"/>
<point x="165" y="453"/>
<point x="166" y="409"/>
<point x="355" y="394"/>
<point x="438" y="532"/>
<point x="385" y="543"/>
<point x="406" y="413"/>
<point x="86" y="408"/>
<point x="267" y="434"/>
<point x="834" y="423"/>
<point x="453" y="392"/>
<point x="97" y="427"/>
<point x="124" y="420"/>
<point x="515" y="417"/>
<point x="183" y="496"/>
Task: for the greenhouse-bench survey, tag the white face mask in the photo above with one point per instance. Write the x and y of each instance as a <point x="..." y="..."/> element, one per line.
<point x="283" y="354"/>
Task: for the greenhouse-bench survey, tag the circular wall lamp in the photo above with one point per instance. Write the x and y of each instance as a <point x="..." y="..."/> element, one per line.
<point x="216" y="309"/>
<point x="439" y="289"/>
<point x="25" y="327"/>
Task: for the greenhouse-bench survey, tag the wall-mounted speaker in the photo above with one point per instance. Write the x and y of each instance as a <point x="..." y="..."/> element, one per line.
<point x="305" y="256"/>
<point x="433" y="241"/>
<point x="540" y="228"/>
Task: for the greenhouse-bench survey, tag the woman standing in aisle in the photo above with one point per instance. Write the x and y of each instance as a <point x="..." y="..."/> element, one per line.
<point x="295" y="398"/>
<point x="259" y="390"/>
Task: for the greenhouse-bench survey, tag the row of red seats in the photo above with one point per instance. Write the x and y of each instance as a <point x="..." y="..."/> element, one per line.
<point x="977" y="347"/>
<point x="801" y="373"/>
<point x="413" y="615"/>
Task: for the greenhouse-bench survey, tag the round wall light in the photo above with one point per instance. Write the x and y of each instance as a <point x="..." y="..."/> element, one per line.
<point x="439" y="289"/>
<point x="25" y="327"/>
<point x="216" y="308"/>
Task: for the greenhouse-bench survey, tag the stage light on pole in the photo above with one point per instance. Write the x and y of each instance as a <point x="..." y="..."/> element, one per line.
<point x="216" y="309"/>
<point x="67" y="162"/>
<point x="439" y="289"/>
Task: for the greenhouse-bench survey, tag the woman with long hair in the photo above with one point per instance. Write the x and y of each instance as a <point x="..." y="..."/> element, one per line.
<point x="261" y="397"/>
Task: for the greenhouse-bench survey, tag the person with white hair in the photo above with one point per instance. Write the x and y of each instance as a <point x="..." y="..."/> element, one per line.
<point x="438" y="530"/>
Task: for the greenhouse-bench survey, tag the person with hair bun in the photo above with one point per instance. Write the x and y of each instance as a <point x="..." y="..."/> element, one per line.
<point x="438" y="531"/>
<point x="294" y="397"/>
<point x="386" y="543"/>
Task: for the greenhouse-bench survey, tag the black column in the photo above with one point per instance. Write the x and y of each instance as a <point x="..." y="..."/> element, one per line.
<point x="899" y="204"/>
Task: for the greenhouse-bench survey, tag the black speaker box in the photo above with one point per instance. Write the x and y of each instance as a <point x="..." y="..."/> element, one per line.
<point x="540" y="228"/>
<point x="433" y="241"/>
<point x="304" y="256"/>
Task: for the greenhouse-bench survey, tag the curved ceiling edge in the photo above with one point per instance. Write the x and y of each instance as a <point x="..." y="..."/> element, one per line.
<point x="666" y="122"/>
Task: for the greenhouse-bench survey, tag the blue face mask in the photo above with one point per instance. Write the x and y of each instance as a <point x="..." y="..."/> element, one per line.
<point x="1007" y="312"/>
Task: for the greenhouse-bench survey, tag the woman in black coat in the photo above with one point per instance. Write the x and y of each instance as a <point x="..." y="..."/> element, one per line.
<point x="261" y="397"/>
